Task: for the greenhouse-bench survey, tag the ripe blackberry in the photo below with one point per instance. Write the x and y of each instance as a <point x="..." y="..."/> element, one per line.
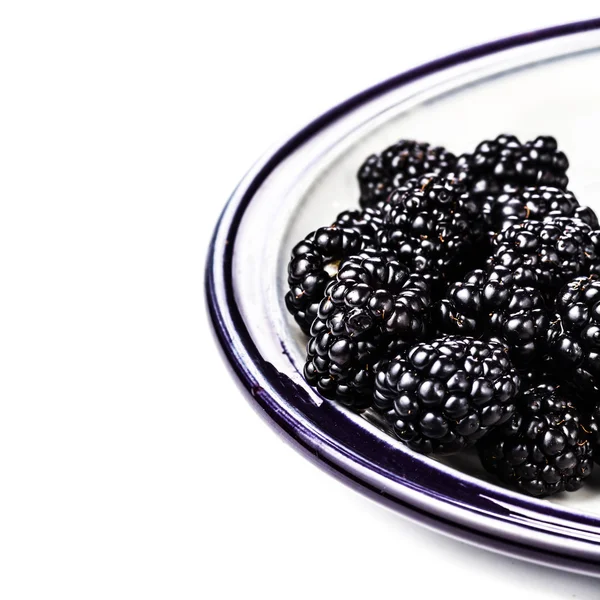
<point x="443" y="396"/>
<point x="594" y="262"/>
<point x="538" y="372"/>
<point x="380" y="174"/>
<point x="307" y="269"/>
<point x="506" y="160"/>
<point x="433" y="226"/>
<point x="374" y="305"/>
<point x="544" y="255"/>
<point x="491" y="304"/>
<point x="592" y="426"/>
<point x="544" y="448"/>
<point x="537" y="203"/>
<point x="574" y="335"/>
<point x="366" y="222"/>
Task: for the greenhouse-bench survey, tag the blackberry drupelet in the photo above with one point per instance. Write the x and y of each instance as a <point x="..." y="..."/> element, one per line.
<point x="373" y="306"/>
<point x="432" y="227"/>
<point x="545" y="255"/>
<point x="442" y="396"/>
<point x="574" y="335"/>
<point x="537" y="203"/>
<point x="544" y="448"/>
<point x="307" y="269"/>
<point x="506" y="160"/>
<point x="380" y="174"/>
<point x="491" y="304"/>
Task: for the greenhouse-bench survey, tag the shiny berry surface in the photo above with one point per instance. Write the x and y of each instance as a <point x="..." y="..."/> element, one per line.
<point x="505" y="160"/>
<point x="442" y="396"/>
<point x="544" y="448"/>
<point x="574" y="334"/>
<point x="592" y="425"/>
<point x="380" y="174"/>
<point x="491" y="303"/>
<point x="537" y="203"/>
<point x="307" y="269"/>
<point x="433" y="226"/>
<point x="373" y="304"/>
<point x="545" y="254"/>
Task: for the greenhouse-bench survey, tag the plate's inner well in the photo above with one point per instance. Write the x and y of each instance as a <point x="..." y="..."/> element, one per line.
<point x="558" y="96"/>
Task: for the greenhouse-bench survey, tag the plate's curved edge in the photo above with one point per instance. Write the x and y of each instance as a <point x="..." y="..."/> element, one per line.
<point x="412" y="512"/>
<point x="219" y="261"/>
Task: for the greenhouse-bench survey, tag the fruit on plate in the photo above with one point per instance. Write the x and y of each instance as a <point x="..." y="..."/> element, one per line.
<point x="381" y="174"/>
<point x="373" y="305"/>
<point x="493" y="303"/>
<point x="574" y="334"/>
<point x="444" y="395"/>
<point x="460" y="303"/>
<point x="506" y="161"/>
<point x="544" y="448"/>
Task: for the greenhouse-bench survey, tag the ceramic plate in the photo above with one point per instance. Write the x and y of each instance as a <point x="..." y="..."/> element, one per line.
<point x="544" y="82"/>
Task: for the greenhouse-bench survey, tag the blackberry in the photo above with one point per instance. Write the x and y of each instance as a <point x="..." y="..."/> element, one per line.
<point x="506" y="160"/>
<point x="366" y="222"/>
<point x="374" y="305"/>
<point x="369" y="221"/>
<point x="544" y="254"/>
<point x="432" y="225"/>
<point x="592" y="426"/>
<point x="594" y="262"/>
<point x="491" y="304"/>
<point x="443" y="396"/>
<point x="539" y="370"/>
<point x="544" y="448"/>
<point x="537" y="203"/>
<point x="574" y="335"/>
<point x="380" y="174"/>
<point x="307" y="269"/>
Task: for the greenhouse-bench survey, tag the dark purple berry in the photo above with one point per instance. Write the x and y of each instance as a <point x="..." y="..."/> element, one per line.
<point x="380" y="174"/>
<point x="442" y="396"/>
<point x="372" y="307"/>
<point x="492" y="304"/>
<point x="574" y="335"/>
<point x="545" y="254"/>
<point x="544" y="448"/>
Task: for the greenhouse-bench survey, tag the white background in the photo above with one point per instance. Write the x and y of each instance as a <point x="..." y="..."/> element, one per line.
<point x="130" y="464"/>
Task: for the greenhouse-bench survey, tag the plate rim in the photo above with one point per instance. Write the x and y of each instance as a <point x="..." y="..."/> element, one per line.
<point x="234" y="338"/>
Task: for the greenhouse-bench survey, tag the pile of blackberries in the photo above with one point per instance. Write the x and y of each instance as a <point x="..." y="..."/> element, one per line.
<point x="462" y="302"/>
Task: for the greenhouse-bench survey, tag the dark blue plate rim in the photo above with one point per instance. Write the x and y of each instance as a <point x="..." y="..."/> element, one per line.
<point x="268" y="389"/>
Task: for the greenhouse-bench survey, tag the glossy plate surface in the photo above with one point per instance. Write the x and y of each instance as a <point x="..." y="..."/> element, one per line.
<point x="540" y="83"/>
